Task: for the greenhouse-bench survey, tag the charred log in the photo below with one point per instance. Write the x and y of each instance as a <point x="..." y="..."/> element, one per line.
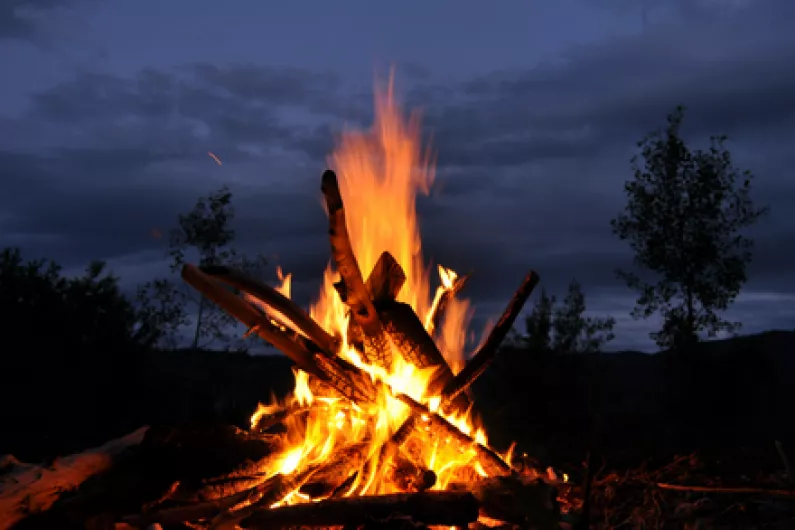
<point x="251" y="318"/>
<point x="432" y="508"/>
<point x="386" y="279"/>
<point x="408" y="334"/>
<point x="276" y="300"/>
<point x="491" y="461"/>
<point x="377" y="350"/>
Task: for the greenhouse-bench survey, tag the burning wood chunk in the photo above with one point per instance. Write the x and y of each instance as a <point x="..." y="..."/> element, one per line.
<point x="386" y="279"/>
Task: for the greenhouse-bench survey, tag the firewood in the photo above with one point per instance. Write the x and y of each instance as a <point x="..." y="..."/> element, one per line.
<point x="485" y="355"/>
<point x="430" y="507"/>
<point x="343" y="463"/>
<point x="386" y="279"/>
<point x="377" y="348"/>
<point x="250" y="317"/>
<point x="276" y="300"/>
<point x="408" y="334"/>
<point x="410" y="477"/>
<point x="26" y="488"/>
<point x="516" y="500"/>
<point x="492" y="463"/>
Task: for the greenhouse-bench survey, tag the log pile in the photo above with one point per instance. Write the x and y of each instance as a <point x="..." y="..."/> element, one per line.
<point x="251" y="494"/>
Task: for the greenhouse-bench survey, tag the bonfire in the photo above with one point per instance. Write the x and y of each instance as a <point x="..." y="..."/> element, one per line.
<point x="380" y="425"/>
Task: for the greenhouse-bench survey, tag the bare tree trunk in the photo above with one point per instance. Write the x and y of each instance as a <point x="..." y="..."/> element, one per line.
<point x="198" y="324"/>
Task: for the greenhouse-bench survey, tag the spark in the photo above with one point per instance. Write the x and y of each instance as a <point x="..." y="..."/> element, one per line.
<point x="217" y="160"/>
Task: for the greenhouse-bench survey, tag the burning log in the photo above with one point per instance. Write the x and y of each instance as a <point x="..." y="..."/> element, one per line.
<point x="26" y="488"/>
<point x="386" y="279"/>
<point x="431" y="508"/>
<point x="336" y="472"/>
<point x="490" y="460"/>
<point x="485" y="355"/>
<point x="377" y="349"/>
<point x="276" y="300"/>
<point x="251" y="318"/>
<point x="408" y="334"/>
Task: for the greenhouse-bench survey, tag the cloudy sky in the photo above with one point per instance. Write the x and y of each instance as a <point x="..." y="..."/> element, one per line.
<point x="108" y="109"/>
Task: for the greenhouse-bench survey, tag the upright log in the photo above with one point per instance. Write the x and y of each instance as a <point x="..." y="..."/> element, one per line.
<point x="377" y="348"/>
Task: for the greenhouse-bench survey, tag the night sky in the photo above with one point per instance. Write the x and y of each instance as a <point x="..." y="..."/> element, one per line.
<point x="108" y="109"/>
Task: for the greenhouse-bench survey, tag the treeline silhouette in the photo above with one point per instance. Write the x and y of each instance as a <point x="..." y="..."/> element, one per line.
<point x="83" y="361"/>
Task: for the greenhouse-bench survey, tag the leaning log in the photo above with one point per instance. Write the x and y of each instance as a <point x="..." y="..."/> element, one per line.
<point x="386" y="279"/>
<point x="277" y="301"/>
<point x="487" y="352"/>
<point x="431" y="507"/>
<point x="408" y="334"/>
<point x="377" y="349"/>
<point x="250" y="317"/>
<point x="492" y="463"/>
<point x="26" y="489"/>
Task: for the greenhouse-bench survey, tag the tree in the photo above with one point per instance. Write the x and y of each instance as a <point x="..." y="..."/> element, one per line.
<point x="564" y="328"/>
<point x="683" y="219"/>
<point x="574" y="332"/>
<point x="538" y="324"/>
<point x="206" y="230"/>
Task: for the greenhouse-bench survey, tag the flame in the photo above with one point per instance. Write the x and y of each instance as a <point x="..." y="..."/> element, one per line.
<point x="381" y="172"/>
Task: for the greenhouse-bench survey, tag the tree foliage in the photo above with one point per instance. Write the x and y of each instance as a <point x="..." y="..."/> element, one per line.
<point x="206" y="232"/>
<point x="563" y="327"/>
<point x="47" y="310"/>
<point x="684" y="218"/>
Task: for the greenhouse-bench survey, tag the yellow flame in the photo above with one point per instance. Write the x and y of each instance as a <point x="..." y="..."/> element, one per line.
<point x="381" y="171"/>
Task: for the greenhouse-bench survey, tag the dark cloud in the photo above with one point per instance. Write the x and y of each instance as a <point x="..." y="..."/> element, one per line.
<point x="23" y="19"/>
<point x="531" y="161"/>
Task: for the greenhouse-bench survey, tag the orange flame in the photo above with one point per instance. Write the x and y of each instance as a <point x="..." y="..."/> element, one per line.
<point x="381" y="172"/>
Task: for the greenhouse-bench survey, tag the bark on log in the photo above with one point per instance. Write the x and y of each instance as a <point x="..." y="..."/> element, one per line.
<point x="344" y="462"/>
<point x="492" y="463"/>
<point x="432" y="508"/>
<point x="26" y="489"/>
<point x="386" y="279"/>
<point x="377" y="348"/>
<point x="276" y="300"/>
<point x="513" y="499"/>
<point x="408" y="334"/>
<point x="485" y="355"/>
<point x="250" y="317"/>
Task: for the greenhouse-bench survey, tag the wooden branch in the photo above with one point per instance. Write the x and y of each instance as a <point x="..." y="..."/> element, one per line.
<point x="341" y="465"/>
<point x="516" y="500"/>
<point x="491" y="461"/>
<point x="251" y="318"/>
<point x="736" y="491"/>
<point x="410" y="477"/>
<point x="357" y="297"/>
<point x="26" y="489"/>
<point x="408" y="334"/>
<point x="386" y="279"/>
<point x="483" y="358"/>
<point x="276" y="300"/>
<point x="444" y="301"/>
<point x="431" y="507"/>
